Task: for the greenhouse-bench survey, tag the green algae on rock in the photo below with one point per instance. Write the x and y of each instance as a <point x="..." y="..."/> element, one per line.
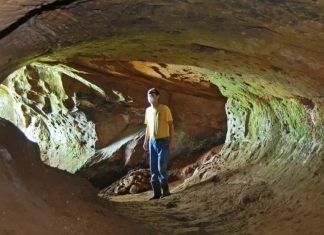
<point x="33" y="99"/>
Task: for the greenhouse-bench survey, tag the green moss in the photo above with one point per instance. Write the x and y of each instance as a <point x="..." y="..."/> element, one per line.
<point x="18" y="81"/>
<point x="262" y="125"/>
<point x="6" y="105"/>
<point x="66" y="139"/>
<point x="292" y="116"/>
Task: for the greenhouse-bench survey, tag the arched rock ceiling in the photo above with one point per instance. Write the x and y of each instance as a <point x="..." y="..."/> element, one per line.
<point x="274" y="44"/>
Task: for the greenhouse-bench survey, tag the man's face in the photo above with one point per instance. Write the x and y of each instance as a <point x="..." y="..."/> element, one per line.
<point x="152" y="98"/>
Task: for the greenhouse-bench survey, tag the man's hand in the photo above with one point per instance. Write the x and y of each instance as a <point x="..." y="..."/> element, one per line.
<point x="145" y="146"/>
<point x="146" y="139"/>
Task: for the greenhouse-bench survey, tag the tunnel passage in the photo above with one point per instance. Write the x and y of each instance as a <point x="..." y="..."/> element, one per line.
<point x="266" y="57"/>
<point x="87" y="119"/>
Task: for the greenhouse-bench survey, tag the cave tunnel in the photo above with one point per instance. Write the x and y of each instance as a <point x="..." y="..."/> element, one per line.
<point x="243" y="79"/>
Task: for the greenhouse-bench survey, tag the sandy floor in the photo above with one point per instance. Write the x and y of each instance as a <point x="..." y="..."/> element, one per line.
<point x="233" y="204"/>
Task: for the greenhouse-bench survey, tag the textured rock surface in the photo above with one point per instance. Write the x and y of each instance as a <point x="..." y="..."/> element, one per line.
<point x="136" y="181"/>
<point x="253" y="38"/>
<point x="265" y="56"/>
<point x="29" y="190"/>
<point x="190" y="95"/>
<point x="119" y="126"/>
<point x="33" y="99"/>
<point x="63" y="97"/>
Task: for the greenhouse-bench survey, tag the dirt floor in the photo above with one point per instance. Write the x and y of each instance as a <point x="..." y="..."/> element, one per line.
<point x="234" y="203"/>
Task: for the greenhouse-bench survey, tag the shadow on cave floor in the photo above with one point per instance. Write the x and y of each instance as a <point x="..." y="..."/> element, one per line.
<point x="235" y="201"/>
<point x="216" y="206"/>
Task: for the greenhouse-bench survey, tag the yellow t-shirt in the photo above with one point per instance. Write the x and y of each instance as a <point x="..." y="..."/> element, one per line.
<point x="157" y="121"/>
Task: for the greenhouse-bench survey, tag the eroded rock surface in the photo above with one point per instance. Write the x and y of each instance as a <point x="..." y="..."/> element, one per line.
<point x="265" y="56"/>
<point x="33" y="99"/>
<point x="89" y="118"/>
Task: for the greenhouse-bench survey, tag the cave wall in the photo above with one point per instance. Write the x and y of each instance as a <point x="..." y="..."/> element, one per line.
<point x="287" y="128"/>
<point x="197" y="106"/>
<point x="192" y="98"/>
<point x="33" y="99"/>
<point x="270" y="53"/>
<point x="266" y="57"/>
<point x="282" y="136"/>
<point x="87" y="117"/>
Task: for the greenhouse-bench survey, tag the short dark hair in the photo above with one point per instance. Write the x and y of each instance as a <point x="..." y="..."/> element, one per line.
<point x="153" y="90"/>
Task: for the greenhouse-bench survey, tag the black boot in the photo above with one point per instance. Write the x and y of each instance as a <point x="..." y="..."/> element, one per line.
<point x="156" y="190"/>
<point x="165" y="189"/>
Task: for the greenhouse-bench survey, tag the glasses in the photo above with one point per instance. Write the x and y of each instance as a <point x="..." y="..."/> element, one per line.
<point x="152" y="93"/>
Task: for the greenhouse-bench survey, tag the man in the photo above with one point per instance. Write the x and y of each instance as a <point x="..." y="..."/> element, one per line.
<point x="159" y="141"/>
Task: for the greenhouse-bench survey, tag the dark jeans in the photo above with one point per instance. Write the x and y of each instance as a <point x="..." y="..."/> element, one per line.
<point x="159" y="159"/>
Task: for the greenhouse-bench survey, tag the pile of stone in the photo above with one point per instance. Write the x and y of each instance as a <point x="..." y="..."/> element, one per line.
<point x="136" y="181"/>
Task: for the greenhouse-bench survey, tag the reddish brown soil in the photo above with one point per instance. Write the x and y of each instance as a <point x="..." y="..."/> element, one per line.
<point x="236" y="201"/>
<point x="36" y="199"/>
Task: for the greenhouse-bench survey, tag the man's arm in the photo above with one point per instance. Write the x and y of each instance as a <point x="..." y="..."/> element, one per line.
<point x="146" y="139"/>
<point x="171" y="129"/>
